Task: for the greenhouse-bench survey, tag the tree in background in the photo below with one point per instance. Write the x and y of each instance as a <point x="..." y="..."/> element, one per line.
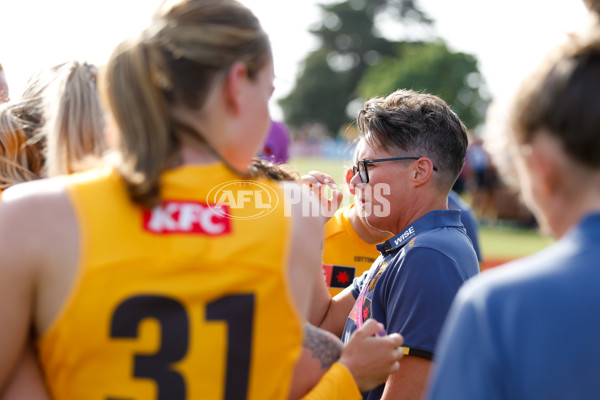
<point x="350" y="43"/>
<point x="352" y="46"/>
<point x="432" y="68"/>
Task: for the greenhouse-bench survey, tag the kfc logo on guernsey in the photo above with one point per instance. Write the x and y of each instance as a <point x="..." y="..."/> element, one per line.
<point x="188" y="217"/>
<point x="407" y="233"/>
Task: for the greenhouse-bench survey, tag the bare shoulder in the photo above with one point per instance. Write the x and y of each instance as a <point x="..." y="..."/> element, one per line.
<point x="33" y="216"/>
<point x="35" y="199"/>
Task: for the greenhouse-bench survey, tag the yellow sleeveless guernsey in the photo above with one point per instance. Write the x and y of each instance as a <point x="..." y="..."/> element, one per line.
<point x="337" y="384"/>
<point x="187" y="301"/>
<point x="345" y="254"/>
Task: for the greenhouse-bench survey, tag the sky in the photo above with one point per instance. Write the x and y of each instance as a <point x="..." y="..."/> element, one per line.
<point x="508" y="37"/>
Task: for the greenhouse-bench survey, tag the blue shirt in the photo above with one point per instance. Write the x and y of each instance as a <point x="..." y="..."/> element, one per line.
<point x="528" y="330"/>
<point x="411" y="285"/>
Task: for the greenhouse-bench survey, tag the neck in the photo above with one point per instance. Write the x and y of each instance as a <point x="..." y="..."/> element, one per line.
<point x="569" y="212"/>
<point x="192" y="126"/>
<point x="421" y="206"/>
<point x="194" y="152"/>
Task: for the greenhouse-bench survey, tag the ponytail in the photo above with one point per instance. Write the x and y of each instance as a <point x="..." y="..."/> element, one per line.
<point x="176" y="62"/>
<point x="140" y="111"/>
<point x="75" y="130"/>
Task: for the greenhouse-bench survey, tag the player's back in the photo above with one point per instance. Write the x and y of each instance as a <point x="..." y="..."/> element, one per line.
<point x="184" y="301"/>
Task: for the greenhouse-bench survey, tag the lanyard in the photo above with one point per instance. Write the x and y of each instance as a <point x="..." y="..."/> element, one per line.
<point x="361" y="298"/>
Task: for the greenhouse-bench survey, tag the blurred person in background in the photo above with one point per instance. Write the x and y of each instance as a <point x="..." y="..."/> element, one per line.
<point x="21" y="155"/>
<point x="74" y="120"/>
<point x="482" y="181"/>
<point x="529" y="329"/>
<point x="276" y="148"/>
<point x="4" y="93"/>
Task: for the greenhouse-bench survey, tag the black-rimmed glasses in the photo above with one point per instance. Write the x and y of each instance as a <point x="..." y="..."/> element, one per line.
<point x="363" y="171"/>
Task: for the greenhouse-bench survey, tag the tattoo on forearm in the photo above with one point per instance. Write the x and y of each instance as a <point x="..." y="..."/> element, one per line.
<point x="323" y="346"/>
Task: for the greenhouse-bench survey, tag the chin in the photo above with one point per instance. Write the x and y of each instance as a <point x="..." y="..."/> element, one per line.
<point x="241" y="166"/>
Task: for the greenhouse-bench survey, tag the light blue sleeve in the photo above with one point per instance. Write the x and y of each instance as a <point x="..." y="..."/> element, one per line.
<point x="467" y="362"/>
<point x="468" y="219"/>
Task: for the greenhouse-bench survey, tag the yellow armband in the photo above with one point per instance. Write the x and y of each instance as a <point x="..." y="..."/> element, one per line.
<point x="336" y="384"/>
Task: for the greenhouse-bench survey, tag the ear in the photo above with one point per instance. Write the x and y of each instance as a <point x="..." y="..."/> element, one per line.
<point x="233" y="87"/>
<point x="545" y="169"/>
<point x="421" y="171"/>
<point x="349" y="176"/>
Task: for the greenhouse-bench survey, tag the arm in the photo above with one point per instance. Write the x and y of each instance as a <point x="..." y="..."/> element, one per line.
<point x="16" y="288"/>
<point x="27" y="381"/>
<point x="330" y="313"/>
<point x="325" y="312"/>
<point x="410" y="381"/>
<point x="304" y="265"/>
<point x="372" y="358"/>
<point x="320" y="350"/>
<point x="336" y="384"/>
<point x="39" y="248"/>
<point x="365" y="362"/>
<point x="304" y="262"/>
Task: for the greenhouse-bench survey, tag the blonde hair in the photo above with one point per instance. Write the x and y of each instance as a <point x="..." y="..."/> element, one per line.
<point x="178" y="60"/>
<point x="75" y="120"/>
<point x="21" y="155"/>
<point x="62" y="109"/>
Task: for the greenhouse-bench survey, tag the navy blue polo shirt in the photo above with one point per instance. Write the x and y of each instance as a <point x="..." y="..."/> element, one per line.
<point x="411" y="285"/>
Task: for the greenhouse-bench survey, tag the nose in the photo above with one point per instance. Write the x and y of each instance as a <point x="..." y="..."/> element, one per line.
<point x="355" y="179"/>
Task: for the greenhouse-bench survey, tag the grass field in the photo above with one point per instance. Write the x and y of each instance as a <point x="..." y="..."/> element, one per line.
<point x="498" y="243"/>
<point x="506" y="243"/>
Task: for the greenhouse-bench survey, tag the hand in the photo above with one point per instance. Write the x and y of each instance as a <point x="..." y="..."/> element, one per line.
<point x="370" y="358"/>
<point x="317" y="182"/>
